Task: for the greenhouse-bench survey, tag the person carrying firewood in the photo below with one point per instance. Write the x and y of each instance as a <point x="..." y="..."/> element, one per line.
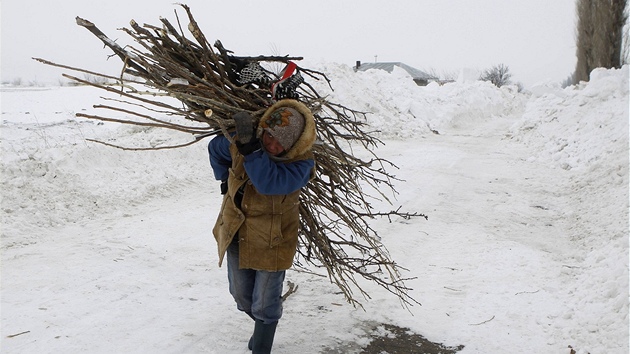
<point x="261" y="176"/>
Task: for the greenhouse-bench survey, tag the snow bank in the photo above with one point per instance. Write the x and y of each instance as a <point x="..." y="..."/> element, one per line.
<point x="52" y="176"/>
<point x="584" y="130"/>
<point x="399" y="109"/>
<point x="579" y="125"/>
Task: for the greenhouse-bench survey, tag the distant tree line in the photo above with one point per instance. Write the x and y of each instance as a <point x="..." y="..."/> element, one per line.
<point x="498" y="75"/>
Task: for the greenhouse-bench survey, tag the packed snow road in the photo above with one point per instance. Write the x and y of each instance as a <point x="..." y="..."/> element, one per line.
<point x="144" y="277"/>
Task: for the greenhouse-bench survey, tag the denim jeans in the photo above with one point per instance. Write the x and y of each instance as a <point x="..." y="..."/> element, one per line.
<point x="256" y="292"/>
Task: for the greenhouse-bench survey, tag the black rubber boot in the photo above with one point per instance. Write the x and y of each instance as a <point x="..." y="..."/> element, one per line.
<point x="262" y="340"/>
<point x="250" y="344"/>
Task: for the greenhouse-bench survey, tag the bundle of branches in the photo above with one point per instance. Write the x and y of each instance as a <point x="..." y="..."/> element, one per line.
<point x="210" y="84"/>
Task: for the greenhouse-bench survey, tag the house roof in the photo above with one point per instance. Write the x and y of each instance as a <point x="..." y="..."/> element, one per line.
<point x="389" y="67"/>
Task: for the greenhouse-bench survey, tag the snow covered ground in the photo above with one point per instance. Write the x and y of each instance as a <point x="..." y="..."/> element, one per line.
<point x="525" y="249"/>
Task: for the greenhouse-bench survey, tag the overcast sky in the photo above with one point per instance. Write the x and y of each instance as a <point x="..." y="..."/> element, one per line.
<point x="534" y="38"/>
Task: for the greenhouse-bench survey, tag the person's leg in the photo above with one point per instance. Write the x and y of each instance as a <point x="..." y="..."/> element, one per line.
<point x="267" y="296"/>
<point x="241" y="281"/>
<point x="266" y="309"/>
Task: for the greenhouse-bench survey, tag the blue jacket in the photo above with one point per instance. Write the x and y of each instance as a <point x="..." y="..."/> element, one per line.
<point x="268" y="176"/>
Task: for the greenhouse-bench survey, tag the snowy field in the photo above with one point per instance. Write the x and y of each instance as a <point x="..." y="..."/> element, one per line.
<point x="525" y="249"/>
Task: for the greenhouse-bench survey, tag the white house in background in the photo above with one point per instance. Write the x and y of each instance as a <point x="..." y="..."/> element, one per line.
<point x="419" y="77"/>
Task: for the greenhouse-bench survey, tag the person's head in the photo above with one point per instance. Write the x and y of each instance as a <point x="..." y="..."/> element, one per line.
<point x="281" y="129"/>
<point x="287" y="129"/>
<point x="271" y="144"/>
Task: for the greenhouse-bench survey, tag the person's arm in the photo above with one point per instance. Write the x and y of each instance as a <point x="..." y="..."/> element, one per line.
<point x="276" y="178"/>
<point x="220" y="158"/>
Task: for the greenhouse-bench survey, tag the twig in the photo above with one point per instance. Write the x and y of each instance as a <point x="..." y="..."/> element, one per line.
<point x="18" y="334"/>
<point x="480" y="323"/>
<point x="309" y="272"/>
<point x="569" y="266"/>
<point x="292" y="288"/>
<point x="527" y="292"/>
<point x="142" y="149"/>
<point x="451" y="289"/>
<point x="453" y="269"/>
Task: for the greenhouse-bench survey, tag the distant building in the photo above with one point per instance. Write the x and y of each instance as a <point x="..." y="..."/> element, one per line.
<point x="419" y="77"/>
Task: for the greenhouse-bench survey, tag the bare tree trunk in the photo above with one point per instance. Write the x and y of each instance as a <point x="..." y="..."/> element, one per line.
<point x="618" y="17"/>
<point x="599" y="35"/>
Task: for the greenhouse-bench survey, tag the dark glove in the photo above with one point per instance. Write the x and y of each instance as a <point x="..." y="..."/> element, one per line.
<point x="244" y="127"/>
<point x="251" y="146"/>
<point x="224" y="186"/>
<point x="247" y="142"/>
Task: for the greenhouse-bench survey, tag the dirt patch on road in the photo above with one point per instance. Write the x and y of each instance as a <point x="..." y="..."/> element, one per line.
<point x="392" y="339"/>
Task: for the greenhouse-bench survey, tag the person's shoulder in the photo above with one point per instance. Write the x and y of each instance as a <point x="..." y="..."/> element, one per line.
<point x="219" y="144"/>
<point x="304" y="157"/>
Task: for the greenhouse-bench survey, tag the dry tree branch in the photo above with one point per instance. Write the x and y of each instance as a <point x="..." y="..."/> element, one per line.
<point x="335" y="208"/>
<point x="141" y="149"/>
